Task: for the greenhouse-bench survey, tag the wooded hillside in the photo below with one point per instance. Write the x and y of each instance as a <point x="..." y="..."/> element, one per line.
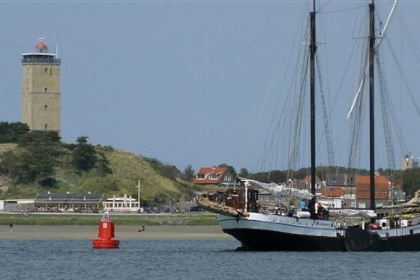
<point x="33" y="162"/>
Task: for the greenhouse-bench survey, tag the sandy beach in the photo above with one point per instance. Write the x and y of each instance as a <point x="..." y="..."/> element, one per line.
<point x="121" y="232"/>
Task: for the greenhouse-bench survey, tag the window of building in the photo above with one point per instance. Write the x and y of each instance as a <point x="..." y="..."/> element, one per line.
<point x="46" y="70"/>
<point x="46" y="89"/>
<point x="200" y="176"/>
<point x="214" y="176"/>
<point x="45" y="107"/>
<point x="46" y="126"/>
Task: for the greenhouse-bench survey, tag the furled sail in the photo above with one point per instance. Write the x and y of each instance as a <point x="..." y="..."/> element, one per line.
<point x="277" y="190"/>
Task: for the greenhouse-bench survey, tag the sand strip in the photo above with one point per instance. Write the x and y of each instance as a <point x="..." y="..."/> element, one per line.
<point x="121" y="232"/>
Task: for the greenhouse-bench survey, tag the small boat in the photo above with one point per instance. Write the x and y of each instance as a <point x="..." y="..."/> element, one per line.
<point x="397" y="228"/>
<point x="384" y="237"/>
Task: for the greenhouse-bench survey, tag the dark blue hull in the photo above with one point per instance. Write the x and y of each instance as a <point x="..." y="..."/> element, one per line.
<point x="358" y="239"/>
<point x="263" y="240"/>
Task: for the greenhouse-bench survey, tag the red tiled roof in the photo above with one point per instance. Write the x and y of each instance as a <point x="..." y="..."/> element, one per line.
<point x="363" y="187"/>
<point x="333" y="192"/>
<point x="210" y="175"/>
<point x="365" y="179"/>
<point x="307" y="178"/>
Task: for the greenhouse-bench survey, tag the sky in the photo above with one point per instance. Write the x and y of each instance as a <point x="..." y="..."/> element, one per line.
<point x="200" y="83"/>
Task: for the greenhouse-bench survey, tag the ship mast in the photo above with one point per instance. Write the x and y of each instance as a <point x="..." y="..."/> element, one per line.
<point x="312" y="49"/>
<point x="371" y="103"/>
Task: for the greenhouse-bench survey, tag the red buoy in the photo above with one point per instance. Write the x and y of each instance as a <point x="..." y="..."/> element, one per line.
<point x="106" y="234"/>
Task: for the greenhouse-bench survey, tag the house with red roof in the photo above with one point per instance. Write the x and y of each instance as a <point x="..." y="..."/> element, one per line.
<point x="384" y="189"/>
<point x="341" y="188"/>
<point x="218" y="176"/>
<point x="305" y="183"/>
<point x="346" y="190"/>
<point x="332" y="197"/>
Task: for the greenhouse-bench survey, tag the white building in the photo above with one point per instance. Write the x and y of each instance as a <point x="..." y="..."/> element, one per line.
<point x="121" y="204"/>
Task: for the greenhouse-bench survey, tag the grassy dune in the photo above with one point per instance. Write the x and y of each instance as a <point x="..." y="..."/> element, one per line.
<point x="127" y="170"/>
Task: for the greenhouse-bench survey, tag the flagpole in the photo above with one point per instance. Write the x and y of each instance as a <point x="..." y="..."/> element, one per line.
<point x="138" y="186"/>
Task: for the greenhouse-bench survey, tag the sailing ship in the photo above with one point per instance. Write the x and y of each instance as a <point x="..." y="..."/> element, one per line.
<point x="397" y="228"/>
<point x="242" y="216"/>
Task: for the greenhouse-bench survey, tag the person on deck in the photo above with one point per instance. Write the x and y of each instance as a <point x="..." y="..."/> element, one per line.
<point x="311" y="206"/>
<point x="320" y="210"/>
<point x="302" y="204"/>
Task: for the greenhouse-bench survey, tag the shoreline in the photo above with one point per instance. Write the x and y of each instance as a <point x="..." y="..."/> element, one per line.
<point x="121" y="232"/>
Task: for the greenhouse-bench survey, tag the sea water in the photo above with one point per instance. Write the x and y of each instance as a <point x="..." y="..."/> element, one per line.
<point x="192" y="259"/>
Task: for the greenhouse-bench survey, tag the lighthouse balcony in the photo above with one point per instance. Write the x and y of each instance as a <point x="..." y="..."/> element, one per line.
<point x="40" y="58"/>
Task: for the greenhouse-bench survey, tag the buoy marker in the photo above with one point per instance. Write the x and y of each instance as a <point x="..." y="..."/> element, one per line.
<point x="106" y="234"/>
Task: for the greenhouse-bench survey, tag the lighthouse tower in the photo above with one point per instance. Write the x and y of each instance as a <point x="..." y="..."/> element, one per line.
<point x="41" y="97"/>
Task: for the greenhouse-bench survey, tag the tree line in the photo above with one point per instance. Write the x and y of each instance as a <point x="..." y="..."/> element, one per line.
<point x="410" y="177"/>
<point x="40" y="153"/>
